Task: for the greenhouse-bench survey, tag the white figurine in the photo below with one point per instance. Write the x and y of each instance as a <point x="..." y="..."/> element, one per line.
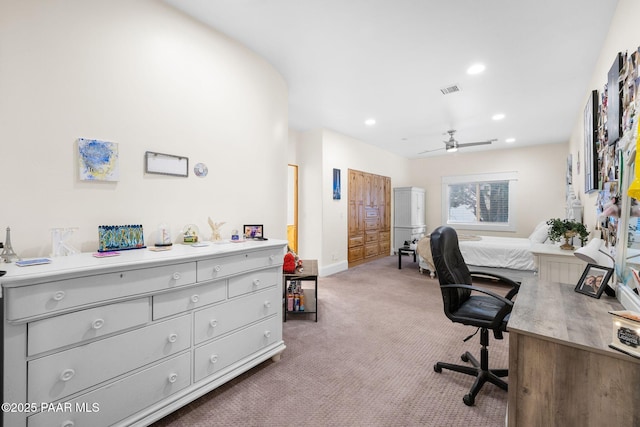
<point x="215" y="230"/>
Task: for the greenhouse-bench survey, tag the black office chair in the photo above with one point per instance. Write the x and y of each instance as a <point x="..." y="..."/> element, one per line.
<point x="486" y="311"/>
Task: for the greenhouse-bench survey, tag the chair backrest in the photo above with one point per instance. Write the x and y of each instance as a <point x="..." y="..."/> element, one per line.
<point x="450" y="267"/>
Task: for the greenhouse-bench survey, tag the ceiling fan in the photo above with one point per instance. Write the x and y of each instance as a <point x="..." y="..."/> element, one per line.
<point x="452" y="145"/>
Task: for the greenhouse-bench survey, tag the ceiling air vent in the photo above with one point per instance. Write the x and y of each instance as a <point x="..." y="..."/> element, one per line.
<point x="450" y="89"/>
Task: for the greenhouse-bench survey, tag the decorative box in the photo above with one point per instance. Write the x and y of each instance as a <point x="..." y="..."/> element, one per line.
<point x="626" y="332"/>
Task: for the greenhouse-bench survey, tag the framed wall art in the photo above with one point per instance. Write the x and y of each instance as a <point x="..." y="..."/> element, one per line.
<point x="166" y="164"/>
<point x="590" y="142"/>
<point x="614" y="101"/>
<point x="98" y="160"/>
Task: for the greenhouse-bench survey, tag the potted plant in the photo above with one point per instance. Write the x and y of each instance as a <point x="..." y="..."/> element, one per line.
<point x="567" y="229"/>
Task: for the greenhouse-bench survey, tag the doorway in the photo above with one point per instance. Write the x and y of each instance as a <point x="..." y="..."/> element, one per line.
<point x="292" y="207"/>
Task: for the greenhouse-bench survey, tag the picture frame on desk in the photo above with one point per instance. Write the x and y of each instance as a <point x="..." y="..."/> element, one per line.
<point x="594" y="280"/>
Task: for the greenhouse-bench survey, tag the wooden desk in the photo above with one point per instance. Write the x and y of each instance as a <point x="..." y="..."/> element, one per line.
<point x="309" y="273"/>
<point x="561" y="370"/>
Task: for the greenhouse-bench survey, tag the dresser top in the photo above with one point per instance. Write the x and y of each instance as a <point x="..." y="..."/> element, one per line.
<point x="129" y="259"/>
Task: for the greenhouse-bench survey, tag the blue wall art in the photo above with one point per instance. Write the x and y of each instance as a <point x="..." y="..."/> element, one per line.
<point x="98" y="160"/>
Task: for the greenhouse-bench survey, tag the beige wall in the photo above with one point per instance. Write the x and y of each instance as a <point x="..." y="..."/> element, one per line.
<point x="324" y="221"/>
<point x="541" y="181"/>
<point x="149" y="78"/>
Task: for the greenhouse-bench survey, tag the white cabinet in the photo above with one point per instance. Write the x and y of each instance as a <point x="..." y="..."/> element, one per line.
<point x="408" y="215"/>
<point x="557" y="265"/>
<point x="129" y="339"/>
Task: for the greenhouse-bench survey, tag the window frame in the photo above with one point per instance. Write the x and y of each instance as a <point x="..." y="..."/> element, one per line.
<point x="511" y="177"/>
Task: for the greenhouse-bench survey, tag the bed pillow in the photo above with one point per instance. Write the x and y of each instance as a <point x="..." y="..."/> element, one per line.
<point x="540" y="233"/>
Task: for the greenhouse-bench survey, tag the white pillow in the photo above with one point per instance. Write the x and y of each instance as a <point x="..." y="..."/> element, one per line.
<point x="540" y="233"/>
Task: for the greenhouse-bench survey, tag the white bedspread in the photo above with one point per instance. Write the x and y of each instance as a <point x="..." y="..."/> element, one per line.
<point x="503" y="252"/>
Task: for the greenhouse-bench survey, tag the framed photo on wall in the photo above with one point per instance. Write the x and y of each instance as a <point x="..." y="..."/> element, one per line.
<point x="590" y="142"/>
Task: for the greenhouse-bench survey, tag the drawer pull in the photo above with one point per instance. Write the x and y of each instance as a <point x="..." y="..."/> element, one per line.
<point x="213" y="323"/>
<point x="256" y="282"/>
<point x="176" y="276"/>
<point x="195" y="298"/>
<point x="213" y="359"/>
<point x="173" y="377"/>
<point x="272" y="257"/>
<point x="97" y="324"/>
<point x="58" y="296"/>
<point x="172" y="338"/>
<point x="267" y="304"/>
<point x="67" y="423"/>
<point x="267" y="334"/>
<point x="67" y="374"/>
<point x="217" y="268"/>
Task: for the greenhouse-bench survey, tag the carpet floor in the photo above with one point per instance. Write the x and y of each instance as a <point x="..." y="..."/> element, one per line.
<point x="368" y="361"/>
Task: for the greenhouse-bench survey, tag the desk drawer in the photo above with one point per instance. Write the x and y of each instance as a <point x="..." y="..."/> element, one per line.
<point x="254" y="281"/>
<point x="229" y="265"/>
<point x="123" y="397"/>
<point x="59" y="331"/>
<point x="219" y="354"/>
<point x="187" y="299"/>
<point x="61" y="374"/>
<point x="49" y="297"/>
<point x="220" y="319"/>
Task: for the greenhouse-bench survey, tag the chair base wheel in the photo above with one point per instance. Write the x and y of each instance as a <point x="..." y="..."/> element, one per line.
<point x="464" y="357"/>
<point x="437" y="368"/>
<point x="468" y="399"/>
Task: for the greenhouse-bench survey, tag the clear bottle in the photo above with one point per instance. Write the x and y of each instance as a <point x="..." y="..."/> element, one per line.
<point x="301" y="299"/>
<point x="296" y="302"/>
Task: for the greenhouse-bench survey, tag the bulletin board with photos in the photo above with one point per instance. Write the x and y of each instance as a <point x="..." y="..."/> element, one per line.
<point x="615" y="118"/>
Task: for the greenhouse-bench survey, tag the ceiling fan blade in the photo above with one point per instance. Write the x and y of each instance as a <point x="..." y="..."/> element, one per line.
<point x="431" y="151"/>
<point x="471" y="144"/>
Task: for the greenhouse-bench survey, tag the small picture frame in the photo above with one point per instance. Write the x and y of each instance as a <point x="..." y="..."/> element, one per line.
<point x="253" y="231"/>
<point x="594" y="280"/>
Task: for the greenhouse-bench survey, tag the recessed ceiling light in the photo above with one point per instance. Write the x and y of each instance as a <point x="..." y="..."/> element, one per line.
<point x="370" y="122"/>
<point x="510" y="140"/>
<point x="476" y="69"/>
<point x="498" y="116"/>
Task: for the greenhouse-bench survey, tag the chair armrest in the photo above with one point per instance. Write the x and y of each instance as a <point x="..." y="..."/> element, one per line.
<point x="515" y="286"/>
<point x="506" y="308"/>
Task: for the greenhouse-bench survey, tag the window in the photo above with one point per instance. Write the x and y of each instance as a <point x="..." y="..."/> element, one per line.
<point x="480" y="202"/>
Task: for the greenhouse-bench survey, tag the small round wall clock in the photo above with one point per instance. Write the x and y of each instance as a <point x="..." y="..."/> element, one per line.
<point x="200" y="170"/>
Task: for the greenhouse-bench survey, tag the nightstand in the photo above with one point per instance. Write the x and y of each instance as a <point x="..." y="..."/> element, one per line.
<point x="557" y="265"/>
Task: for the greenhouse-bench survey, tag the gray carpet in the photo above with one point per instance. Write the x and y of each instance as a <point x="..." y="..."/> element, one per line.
<point x="367" y="362"/>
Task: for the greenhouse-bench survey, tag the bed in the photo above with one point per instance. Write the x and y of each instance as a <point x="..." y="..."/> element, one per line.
<point x="508" y="256"/>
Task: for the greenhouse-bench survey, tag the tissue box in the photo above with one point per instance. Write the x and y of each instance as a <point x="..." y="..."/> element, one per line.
<point x="626" y="332"/>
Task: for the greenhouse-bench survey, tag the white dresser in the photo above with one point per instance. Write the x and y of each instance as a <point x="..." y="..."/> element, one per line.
<point x="557" y="265"/>
<point x="128" y="339"/>
<point x="408" y="215"/>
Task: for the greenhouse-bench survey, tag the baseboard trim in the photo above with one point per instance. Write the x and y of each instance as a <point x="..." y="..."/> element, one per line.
<point x="328" y="270"/>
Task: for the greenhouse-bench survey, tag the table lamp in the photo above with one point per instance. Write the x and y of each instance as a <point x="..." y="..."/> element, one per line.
<point x="592" y="253"/>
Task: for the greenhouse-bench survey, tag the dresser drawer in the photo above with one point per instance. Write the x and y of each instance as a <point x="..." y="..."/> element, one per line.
<point x="49" y="297"/>
<point x="187" y="299"/>
<point x="61" y="374"/>
<point x="356" y="241"/>
<point x="229" y="265"/>
<point x="371" y="250"/>
<point x="370" y="236"/>
<point x="122" y="398"/>
<point x="217" y="355"/>
<point x="254" y="281"/>
<point x="220" y="319"/>
<point x="59" y="331"/>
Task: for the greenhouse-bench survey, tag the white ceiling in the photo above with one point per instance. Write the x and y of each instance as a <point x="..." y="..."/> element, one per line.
<point x="348" y="60"/>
